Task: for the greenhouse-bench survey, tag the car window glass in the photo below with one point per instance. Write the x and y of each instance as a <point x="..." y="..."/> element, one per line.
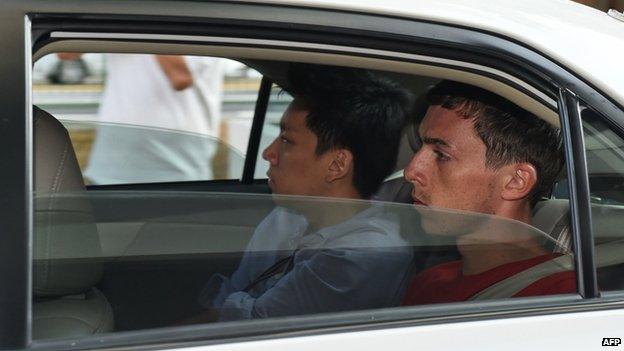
<point x="131" y="260"/>
<point x="605" y="164"/>
<point x="153" y="266"/>
<point x="137" y="118"/>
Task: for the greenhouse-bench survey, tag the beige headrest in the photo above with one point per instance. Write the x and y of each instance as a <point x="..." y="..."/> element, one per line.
<point x="65" y="236"/>
<point x="410" y="142"/>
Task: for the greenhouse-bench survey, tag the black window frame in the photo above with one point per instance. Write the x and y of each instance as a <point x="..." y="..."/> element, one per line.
<point x="262" y="103"/>
<point x="257" y="20"/>
<point x="580" y="201"/>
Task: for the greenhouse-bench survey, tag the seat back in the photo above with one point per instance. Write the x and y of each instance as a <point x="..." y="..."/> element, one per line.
<point x="395" y="188"/>
<point x="553" y="218"/>
<point x="608" y="221"/>
<point x="67" y="253"/>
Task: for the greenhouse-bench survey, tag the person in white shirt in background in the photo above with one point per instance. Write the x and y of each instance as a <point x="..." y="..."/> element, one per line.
<point x="145" y="98"/>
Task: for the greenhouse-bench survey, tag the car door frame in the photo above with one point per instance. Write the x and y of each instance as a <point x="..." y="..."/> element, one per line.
<point x="309" y="25"/>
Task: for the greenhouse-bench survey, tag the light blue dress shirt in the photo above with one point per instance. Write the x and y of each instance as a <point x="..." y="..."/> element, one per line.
<point x="276" y="237"/>
<point x="361" y="263"/>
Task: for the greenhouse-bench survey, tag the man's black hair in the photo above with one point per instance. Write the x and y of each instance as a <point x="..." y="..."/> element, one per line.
<point x="510" y="133"/>
<point x="353" y="109"/>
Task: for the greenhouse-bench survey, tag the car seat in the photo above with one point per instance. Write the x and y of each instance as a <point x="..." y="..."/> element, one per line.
<point x="66" y="251"/>
<point x="553" y="217"/>
<point x="395" y="188"/>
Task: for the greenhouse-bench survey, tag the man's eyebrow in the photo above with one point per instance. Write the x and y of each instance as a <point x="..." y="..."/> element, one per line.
<point x="283" y="126"/>
<point x="435" y="141"/>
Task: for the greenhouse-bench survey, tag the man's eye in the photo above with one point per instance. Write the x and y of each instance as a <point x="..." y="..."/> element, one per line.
<point x="284" y="140"/>
<point x="441" y="156"/>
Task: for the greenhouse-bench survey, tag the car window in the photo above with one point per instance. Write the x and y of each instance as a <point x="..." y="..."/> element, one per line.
<point x="138" y="118"/>
<point x="605" y="160"/>
<point x="605" y="165"/>
<point x="134" y="260"/>
<point x="157" y="259"/>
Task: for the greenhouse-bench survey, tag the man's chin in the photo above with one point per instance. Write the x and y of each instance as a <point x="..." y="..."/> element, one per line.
<point x="442" y="221"/>
<point x="295" y="203"/>
<point x="281" y="198"/>
<point x="276" y="189"/>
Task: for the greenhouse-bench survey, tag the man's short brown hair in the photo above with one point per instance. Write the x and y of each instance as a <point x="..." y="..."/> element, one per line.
<point x="510" y="133"/>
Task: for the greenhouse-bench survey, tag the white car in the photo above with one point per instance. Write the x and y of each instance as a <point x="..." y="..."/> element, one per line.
<point x="122" y="265"/>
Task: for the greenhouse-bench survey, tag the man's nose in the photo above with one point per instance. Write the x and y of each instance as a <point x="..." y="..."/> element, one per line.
<point x="270" y="153"/>
<point x="415" y="172"/>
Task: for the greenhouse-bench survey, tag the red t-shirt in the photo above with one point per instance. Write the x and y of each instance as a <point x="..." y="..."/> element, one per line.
<point x="446" y="283"/>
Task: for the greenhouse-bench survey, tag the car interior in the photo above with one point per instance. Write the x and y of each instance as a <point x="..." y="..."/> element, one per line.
<point x="106" y="260"/>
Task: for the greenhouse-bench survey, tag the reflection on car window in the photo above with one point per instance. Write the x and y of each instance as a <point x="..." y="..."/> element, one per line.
<point x="605" y="160"/>
<point x="204" y="251"/>
<point x="604" y="150"/>
<point x="182" y="164"/>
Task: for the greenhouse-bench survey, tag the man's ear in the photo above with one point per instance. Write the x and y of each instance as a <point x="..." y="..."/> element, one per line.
<point x="340" y="165"/>
<point x="519" y="181"/>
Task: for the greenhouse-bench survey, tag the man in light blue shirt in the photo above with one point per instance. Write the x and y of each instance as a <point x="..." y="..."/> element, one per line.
<point x="339" y="139"/>
<point x="275" y="237"/>
<point x="356" y="264"/>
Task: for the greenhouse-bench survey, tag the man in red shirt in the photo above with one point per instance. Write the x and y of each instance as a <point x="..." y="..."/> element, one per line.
<point x="481" y="153"/>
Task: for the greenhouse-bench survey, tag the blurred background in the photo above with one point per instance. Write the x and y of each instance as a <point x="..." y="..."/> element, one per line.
<point x="72" y="91"/>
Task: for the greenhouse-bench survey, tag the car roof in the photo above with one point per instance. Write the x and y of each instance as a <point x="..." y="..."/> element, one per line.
<point x="584" y="40"/>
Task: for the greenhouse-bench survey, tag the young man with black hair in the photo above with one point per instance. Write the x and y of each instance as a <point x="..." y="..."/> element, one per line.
<point x="481" y="153"/>
<point x="339" y="139"/>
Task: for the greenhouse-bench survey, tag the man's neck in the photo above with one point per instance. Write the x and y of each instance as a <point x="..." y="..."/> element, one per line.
<point x="480" y="258"/>
<point x="516" y="212"/>
<point x="329" y="214"/>
<point x="500" y="242"/>
<point x="334" y="212"/>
